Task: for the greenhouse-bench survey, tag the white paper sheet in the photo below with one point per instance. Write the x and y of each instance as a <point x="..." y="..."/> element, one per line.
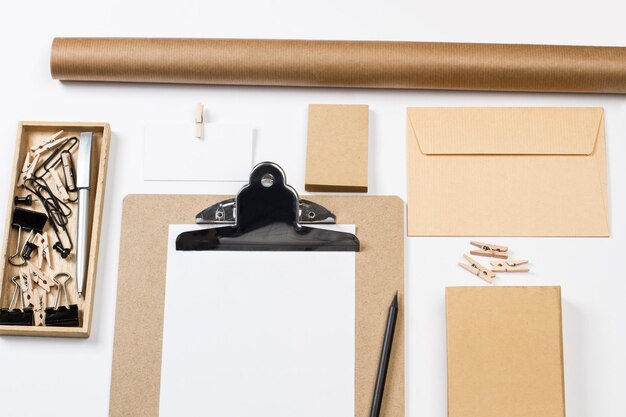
<point x="173" y="153"/>
<point x="258" y="333"/>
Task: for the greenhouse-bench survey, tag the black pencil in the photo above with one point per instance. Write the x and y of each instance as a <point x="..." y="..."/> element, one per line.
<point x="384" y="358"/>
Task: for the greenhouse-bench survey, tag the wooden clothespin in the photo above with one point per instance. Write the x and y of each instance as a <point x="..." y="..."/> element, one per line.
<point x="38" y="277"/>
<point x="46" y="141"/>
<point x="57" y="185"/>
<point x="509" y="266"/>
<point x="26" y="285"/>
<point x="199" y="120"/>
<point x="68" y="170"/>
<point x="50" y="145"/>
<point x="40" y="303"/>
<point x="27" y="169"/>
<point x="477" y="269"/>
<point x="43" y="249"/>
<point x="487" y="249"/>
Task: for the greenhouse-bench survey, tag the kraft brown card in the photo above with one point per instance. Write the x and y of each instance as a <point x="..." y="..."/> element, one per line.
<point x="505" y="356"/>
<point x="337" y="148"/>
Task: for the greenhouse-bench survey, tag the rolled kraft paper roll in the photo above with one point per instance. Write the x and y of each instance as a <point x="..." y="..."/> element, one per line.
<point x="369" y="64"/>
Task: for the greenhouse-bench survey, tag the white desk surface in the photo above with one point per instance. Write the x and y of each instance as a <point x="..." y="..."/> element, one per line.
<point x="589" y="270"/>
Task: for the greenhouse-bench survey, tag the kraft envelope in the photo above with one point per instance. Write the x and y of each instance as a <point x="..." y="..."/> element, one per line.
<point x="507" y="172"/>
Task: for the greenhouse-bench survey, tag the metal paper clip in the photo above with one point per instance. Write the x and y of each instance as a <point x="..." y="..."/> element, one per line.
<point x="55" y="158"/>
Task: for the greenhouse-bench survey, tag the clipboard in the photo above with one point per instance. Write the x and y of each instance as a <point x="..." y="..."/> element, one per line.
<point x="136" y="369"/>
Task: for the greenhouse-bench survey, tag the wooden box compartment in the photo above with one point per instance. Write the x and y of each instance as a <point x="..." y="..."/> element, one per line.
<point x="30" y="134"/>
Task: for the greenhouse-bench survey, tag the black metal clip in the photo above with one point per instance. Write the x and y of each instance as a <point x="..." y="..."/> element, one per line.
<point x="223" y="213"/>
<point x="28" y="220"/>
<point x="12" y="317"/>
<point x="266" y="215"/>
<point x="65" y="315"/>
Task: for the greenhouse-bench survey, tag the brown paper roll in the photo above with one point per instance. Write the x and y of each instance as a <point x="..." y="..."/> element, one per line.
<point x="453" y="66"/>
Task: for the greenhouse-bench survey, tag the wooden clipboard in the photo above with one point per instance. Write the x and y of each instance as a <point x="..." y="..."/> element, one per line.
<point x="136" y="372"/>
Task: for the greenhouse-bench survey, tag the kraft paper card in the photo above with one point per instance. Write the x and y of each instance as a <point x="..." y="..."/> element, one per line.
<point x="505" y="356"/>
<point x="507" y="172"/>
<point x="337" y="148"/>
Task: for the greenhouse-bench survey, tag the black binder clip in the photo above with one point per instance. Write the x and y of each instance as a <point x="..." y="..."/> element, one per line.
<point x="65" y="315"/>
<point x="266" y="215"/>
<point x="16" y="317"/>
<point x="28" y="220"/>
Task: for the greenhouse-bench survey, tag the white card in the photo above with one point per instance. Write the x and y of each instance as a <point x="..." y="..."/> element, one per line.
<point x="173" y="153"/>
<point x="258" y="333"/>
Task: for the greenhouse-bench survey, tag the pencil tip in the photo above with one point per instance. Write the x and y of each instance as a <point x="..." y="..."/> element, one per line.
<point x="395" y="300"/>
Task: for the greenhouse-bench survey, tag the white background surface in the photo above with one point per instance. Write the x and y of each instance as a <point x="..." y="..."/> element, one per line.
<point x="172" y="152"/>
<point x="589" y="270"/>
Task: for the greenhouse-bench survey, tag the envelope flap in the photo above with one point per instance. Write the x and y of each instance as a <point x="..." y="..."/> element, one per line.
<point x="506" y="131"/>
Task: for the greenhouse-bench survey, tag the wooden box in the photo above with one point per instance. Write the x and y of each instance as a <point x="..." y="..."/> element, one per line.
<point x="29" y="134"/>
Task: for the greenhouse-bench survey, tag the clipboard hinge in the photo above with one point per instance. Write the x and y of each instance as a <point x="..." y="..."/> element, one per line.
<point x="225" y="212"/>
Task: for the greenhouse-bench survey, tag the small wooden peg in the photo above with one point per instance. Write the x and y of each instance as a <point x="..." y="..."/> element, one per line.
<point x="68" y="170"/>
<point x="490" y="250"/>
<point x="38" y="277"/>
<point x="27" y="169"/>
<point x="477" y="269"/>
<point x="46" y="141"/>
<point x="43" y="249"/>
<point x="199" y="120"/>
<point x="509" y="266"/>
<point x="39" y="306"/>
<point x="58" y="186"/>
<point x="51" y="145"/>
<point x="26" y="285"/>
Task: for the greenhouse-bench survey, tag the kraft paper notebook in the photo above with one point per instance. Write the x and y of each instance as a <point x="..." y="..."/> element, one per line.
<point x="337" y="148"/>
<point x="136" y="371"/>
<point x="507" y="172"/>
<point x="505" y="352"/>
